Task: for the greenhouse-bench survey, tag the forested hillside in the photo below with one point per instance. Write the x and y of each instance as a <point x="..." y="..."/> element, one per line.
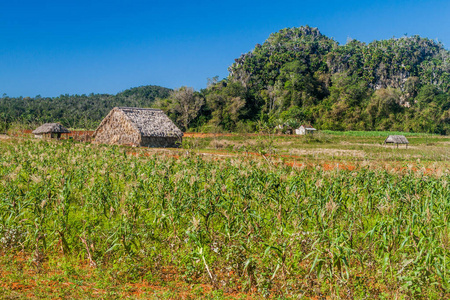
<point x="299" y="76"/>
<point x="74" y="111"/>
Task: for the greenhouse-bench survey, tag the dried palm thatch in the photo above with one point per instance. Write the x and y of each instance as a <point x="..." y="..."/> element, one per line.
<point x="138" y="127"/>
<point x="50" y="130"/>
<point x="396" y="139"/>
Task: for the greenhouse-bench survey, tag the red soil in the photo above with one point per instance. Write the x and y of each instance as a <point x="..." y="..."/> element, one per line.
<point x="294" y="161"/>
<point x="204" y="135"/>
<point x="171" y="281"/>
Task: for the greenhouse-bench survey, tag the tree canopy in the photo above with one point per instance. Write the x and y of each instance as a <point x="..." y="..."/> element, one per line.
<point x="395" y="84"/>
<point x="74" y="111"/>
<point x="298" y="75"/>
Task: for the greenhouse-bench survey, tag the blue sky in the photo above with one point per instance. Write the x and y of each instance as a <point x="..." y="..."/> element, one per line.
<point x="50" y="48"/>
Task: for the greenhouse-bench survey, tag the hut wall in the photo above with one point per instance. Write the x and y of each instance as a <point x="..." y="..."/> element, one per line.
<point x="161" y="142"/>
<point x="117" y="130"/>
<point x="300" y="131"/>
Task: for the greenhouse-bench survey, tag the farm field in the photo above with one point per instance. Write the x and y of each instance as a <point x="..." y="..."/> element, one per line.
<point x="329" y="150"/>
<point x="227" y="216"/>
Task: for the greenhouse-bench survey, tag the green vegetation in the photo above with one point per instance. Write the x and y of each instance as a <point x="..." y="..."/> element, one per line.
<point x="298" y="75"/>
<point x="74" y="111"/>
<point x="355" y="147"/>
<point x="374" y="133"/>
<point x="243" y="223"/>
<point x="331" y="214"/>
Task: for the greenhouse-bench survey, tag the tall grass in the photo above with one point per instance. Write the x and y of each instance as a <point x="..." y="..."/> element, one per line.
<point x="236" y="224"/>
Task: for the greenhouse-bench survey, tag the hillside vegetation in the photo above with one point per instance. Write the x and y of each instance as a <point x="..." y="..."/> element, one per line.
<point x="298" y="75"/>
<point x="75" y="111"/>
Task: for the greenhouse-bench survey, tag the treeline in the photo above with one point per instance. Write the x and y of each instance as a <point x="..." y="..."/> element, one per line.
<point x="300" y="76"/>
<point x="296" y="76"/>
<point x="74" y="111"/>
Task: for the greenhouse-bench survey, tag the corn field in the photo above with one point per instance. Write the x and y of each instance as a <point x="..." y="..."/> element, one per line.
<point x="237" y="224"/>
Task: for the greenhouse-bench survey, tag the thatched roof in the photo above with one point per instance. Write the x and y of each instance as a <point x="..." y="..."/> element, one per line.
<point x="148" y="122"/>
<point x="396" y="139"/>
<point x="50" y="128"/>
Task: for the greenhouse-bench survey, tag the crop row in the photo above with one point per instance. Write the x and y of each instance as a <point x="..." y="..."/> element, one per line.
<point x="238" y="224"/>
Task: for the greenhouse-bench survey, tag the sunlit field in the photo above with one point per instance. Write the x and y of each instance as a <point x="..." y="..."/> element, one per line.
<point x="233" y="216"/>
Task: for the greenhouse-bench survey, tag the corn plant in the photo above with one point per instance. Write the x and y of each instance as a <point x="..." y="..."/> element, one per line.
<point x="237" y="223"/>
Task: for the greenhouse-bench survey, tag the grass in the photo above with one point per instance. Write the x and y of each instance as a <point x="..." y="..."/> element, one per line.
<point x="324" y="146"/>
<point x="376" y="133"/>
<point x="82" y="220"/>
<point x="74" y="279"/>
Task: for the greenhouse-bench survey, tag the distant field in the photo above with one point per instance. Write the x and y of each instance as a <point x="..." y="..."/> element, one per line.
<point x="226" y="216"/>
<point x="376" y="133"/>
<point x="323" y="146"/>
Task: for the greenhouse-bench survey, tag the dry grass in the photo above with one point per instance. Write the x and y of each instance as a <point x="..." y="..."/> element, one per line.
<point x="328" y="152"/>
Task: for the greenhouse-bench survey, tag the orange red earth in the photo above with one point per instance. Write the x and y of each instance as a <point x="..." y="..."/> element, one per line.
<point x="293" y="161"/>
<point x="33" y="282"/>
<point x="289" y="160"/>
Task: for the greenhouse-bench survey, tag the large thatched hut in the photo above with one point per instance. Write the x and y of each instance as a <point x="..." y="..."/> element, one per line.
<point x="50" y="130"/>
<point x="133" y="126"/>
<point x="396" y="139"/>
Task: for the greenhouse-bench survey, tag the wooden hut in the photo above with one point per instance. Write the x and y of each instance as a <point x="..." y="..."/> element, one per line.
<point x="133" y="126"/>
<point x="396" y="139"/>
<point x="305" y="129"/>
<point x="50" y="131"/>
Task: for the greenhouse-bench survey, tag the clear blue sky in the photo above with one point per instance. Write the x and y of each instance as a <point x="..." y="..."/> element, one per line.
<point x="80" y="47"/>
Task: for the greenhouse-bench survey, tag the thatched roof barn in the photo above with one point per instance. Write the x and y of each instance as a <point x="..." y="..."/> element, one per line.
<point x="144" y="127"/>
<point x="396" y="139"/>
<point x="50" y="130"/>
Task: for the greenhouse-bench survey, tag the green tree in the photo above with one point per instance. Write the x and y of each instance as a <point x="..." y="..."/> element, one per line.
<point x="227" y="102"/>
<point x="184" y="104"/>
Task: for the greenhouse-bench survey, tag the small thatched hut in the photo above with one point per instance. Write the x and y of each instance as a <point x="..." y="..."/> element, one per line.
<point x="133" y="126"/>
<point x="396" y="139"/>
<point x="50" y="130"/>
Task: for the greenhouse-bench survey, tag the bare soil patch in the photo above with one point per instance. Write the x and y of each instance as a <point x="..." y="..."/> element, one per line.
<point x="334" y="152"/>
